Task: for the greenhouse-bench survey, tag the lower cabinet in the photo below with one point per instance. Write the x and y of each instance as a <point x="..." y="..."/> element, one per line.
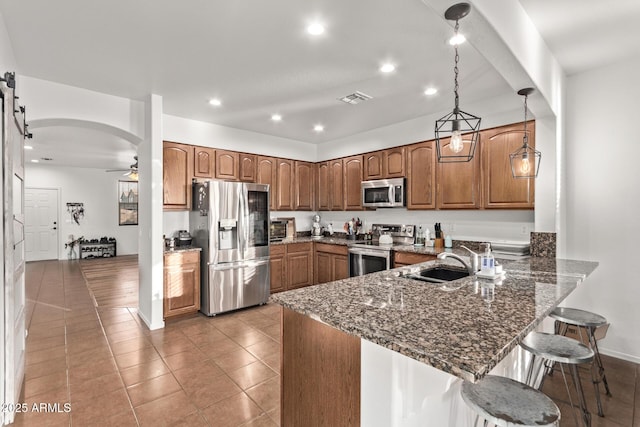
<point x="400" y="259"/>
<point x="331" y="263"/>
<point x="291" y="266"/>
<point x="181" y="283"/>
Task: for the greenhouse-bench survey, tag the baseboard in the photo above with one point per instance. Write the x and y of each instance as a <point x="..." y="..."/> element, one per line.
<point x="150" y="325"/>
<point x="619" y="355"/>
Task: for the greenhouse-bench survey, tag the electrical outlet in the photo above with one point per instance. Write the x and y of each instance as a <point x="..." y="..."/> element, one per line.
<point x="524" y="230"/>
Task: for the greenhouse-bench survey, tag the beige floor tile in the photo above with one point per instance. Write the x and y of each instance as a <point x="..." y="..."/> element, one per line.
<point x="144" y="355"/>
<point x="203" y="371"/>
<point x="233" y="360"/>
<point x="152" y="389"/>
<point x="251" y="375"/>
<point x="192" y="420"/>
<point x="95" y="388"/>
<point x="45" y="383"/>
<point x="262" y="421"/>
<point x="166" y="410"/>
<point x="45" y="368"/>
<point x="185" y="358"/>
<point x="266" y="394"/>
<point x="204" y="391"/>
<point x="233" y="411"/>
<point x="91" y="411"/>
<point x="264" y="349"/>
<point x="40" y="356"/>
<point x="223" y="346"/>
<point x="130" y="345"/>
<point x="91" y="369"/>
<point x="143" y="371"/>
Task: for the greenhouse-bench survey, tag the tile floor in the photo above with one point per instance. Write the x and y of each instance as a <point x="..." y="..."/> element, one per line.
<point x="221" y="371"/>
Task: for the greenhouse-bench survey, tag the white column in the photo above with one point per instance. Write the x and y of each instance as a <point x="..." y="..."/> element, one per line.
<point x="150" y="244"/>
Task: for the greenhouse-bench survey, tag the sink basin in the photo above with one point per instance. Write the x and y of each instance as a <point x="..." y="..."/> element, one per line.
<point x="439" y="274"/>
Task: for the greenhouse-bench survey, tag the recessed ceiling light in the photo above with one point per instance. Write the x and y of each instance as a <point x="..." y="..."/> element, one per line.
<point x="458" y="39"/>
<point x="28" y="147"/>
<point x="215" y="102"/>
<point x="276" y="117"/>
<point x="318" y="128"/>
<point x="430" y="91"/>
<point x="315" y="29"/>
<point x="387" y="68"/>
<point x="35" y="161"/>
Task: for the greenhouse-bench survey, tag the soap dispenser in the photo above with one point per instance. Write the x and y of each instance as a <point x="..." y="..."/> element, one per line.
<point x="488" y="262"/>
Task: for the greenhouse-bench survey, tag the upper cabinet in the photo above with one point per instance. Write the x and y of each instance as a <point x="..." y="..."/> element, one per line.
<point x="204" y="162"/>
<point x="323" y="194"/>
<point x="501" y="189"/>
<point x="382" y="164"/>
<point x="336" y="185"/>
<point x="266" y="174"/>
<point x="176" y="175"/>
<point x="248" y="167"/>
<point x="304" y="184"/>
<point x="458" y="183"/>
<point x="352" y="183"/>
<point x="284" y="185"/>
<point x="227" y="165"/>
<point x="421" y="175"/>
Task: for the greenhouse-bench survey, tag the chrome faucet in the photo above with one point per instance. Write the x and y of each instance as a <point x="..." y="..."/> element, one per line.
<point x="474" y="262"/>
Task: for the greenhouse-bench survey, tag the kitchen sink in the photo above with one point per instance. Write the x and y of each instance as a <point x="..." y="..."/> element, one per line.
<point x="438" y="274"/>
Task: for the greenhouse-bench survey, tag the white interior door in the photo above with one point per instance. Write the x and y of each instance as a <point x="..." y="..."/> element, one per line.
<point x="41" y="223"/>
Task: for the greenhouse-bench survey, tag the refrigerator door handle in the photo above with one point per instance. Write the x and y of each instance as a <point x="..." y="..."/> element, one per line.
<point x="241" y="264"/>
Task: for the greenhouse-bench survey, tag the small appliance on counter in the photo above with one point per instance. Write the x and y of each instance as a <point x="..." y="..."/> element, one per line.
<point x="184" y="238"/>
<point x="316" y="228"/>
<point x="282" y="229"/>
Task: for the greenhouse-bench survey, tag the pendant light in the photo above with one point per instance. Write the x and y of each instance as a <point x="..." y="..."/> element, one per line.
<point x="462" y="128"/>
<point x="525" y="161"/>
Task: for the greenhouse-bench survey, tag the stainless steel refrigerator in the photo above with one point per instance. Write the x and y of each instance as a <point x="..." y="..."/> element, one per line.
<point x="230" y="222"/>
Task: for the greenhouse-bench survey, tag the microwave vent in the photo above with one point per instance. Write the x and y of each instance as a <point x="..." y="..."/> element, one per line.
<point x="355" y="98"/>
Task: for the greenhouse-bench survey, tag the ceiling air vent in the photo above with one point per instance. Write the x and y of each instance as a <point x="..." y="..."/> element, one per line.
<point x="355" y="98"/>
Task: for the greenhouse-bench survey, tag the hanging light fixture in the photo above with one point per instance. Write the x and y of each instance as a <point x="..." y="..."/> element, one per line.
<point x="525" y="161"/>
<point x="463" y="128"/>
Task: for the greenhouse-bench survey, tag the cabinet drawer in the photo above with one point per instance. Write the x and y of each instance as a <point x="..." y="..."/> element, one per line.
<point x="277" y="249"/>
<point x="332" y="249"/>
<point x="408" y="258"/>
<point x="178" y="258"/>
<point x="298" y="247"/>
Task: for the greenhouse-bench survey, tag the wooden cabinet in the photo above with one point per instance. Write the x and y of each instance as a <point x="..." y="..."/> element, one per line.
<point x="331" y="262"/>
<point x="382" y="164"/>
<point x="227" y="165"/>
<point x="204" y="162"/>
<point x="176" y="175"/>
<point x="181" y="283"/>
<point x="323" y="194"/>
<point x="304" y="186"/>
<point x="500" y="189"/>
<point x="336" y="185"/>
<point x="291" y="266"/>
<point x="458" y="184"/>
<point x="278" y="268"/>
<point x="421" y="176"/>
<point x="401" y="259"/>
<point x="247" y="167"/>
<point x="266" y="174"/>
<point x="352" y="167"/>
<point x="284" y="191"/>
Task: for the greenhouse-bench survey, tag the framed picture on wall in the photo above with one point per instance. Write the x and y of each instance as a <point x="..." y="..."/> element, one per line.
<point x="127" y="202"/>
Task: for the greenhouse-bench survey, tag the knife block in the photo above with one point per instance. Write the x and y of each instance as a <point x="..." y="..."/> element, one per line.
<point x="439" y="243"/>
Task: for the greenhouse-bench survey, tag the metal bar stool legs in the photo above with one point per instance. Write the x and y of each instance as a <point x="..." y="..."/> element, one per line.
<point x="589" y="321"/>
<point x="551" y="348"/>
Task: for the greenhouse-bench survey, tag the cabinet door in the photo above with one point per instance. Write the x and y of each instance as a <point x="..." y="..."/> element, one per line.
<point x="459" y="184"/>
<point x="227" y="165"/>
<point x="352" y="183"/>
<point x="323" y="267"/>
<point x="247" y="167"/>
<point x="501" y="189"/>
<point x="181" y="283"/>
<point x="394" y="163"/>
<point x="266" y="174"/>
<point x="340" y="267"/>
<point x="203" y="162"/>
<point x="323" y="191"/>
<point x="278" y="272"/>
<point x="373" y="165"/>
<point x="176" y="175"/>
<point x="285" y="180"/>
<point x="336" y="185"/>
<point x="299" y="265"/>
<point x="421" y="176"/>
<point x="303" y="185"/>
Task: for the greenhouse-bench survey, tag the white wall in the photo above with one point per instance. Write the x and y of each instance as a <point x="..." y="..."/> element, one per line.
<point x="98" y="190"/>
<point x="603" y="198"/>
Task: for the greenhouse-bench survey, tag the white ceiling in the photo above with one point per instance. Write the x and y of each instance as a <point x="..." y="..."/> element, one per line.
<point x="257" y="58"/>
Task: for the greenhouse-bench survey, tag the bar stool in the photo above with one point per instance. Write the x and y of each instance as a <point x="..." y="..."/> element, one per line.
<point x="558" y="349"/>
<point x="506" y="402"/>
<point x="590" y="321"/>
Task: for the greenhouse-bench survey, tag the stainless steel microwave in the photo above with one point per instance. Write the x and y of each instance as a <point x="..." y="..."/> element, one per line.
<point x="383" y="193"/>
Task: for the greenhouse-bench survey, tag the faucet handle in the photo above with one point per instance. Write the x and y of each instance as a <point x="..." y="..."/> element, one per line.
<point x="463" y="246"/>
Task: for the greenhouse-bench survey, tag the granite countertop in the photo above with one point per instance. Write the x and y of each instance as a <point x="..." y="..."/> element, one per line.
<point x="463" y="327"/>
<point x="188" y="248"/>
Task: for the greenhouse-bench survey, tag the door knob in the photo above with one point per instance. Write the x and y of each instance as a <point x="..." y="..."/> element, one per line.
<point x="55" y="228"/>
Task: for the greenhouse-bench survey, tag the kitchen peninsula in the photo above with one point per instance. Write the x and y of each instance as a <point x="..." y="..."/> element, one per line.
<point x="383" y="349"/>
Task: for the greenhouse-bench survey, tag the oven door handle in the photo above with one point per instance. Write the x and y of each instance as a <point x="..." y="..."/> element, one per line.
<point x="375" y="253"/>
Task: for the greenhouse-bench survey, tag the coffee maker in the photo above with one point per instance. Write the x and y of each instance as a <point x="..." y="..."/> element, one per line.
<point x="316" y="229"/>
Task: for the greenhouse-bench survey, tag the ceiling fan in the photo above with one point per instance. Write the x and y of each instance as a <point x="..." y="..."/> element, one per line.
<point x="131" y="173"/>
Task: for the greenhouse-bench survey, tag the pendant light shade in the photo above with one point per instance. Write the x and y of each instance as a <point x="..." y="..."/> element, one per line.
<point x="458" y="132"/>
<point x="525" y="161"/>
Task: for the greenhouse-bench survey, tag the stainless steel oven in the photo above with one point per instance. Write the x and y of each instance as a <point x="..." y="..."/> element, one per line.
<point x="365" y="259"/>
